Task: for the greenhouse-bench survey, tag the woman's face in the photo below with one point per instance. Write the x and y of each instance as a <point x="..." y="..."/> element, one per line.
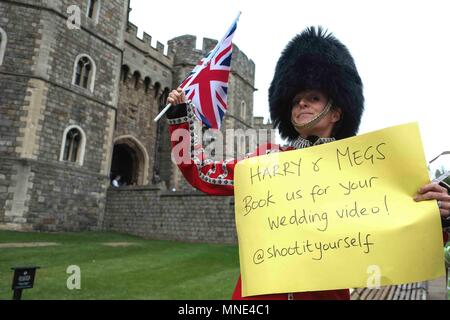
<point x="307" y="105"/>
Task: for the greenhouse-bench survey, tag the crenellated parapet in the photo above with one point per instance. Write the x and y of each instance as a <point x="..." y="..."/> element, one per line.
<point x="146" y="60"/>
<point x="145" y="44"/>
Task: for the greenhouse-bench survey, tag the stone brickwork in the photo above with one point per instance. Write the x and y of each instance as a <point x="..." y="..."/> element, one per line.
<point x="11" y="100"/>
<point x="153" y="213"/>
<point x="146" y="77"/>
<point x="6" y="173"/>
<point x="41" y="101"/>
<point x="139" y="55"/>
<point x="17" y="61"/>
<point x="48" y="197"/>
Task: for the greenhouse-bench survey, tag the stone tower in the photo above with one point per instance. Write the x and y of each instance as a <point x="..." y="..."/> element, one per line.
<point x="58" y="81"/>
<point x="146" y="76"/>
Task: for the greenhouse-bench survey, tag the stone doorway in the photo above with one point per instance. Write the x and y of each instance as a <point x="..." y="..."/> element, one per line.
<point x="130" y="161"/>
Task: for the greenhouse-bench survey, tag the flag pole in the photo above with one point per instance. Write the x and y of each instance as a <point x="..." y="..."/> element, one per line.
<point x="163" y="111"/>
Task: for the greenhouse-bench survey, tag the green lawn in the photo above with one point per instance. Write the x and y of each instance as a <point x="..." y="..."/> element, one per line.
<point x="147" y="270"/>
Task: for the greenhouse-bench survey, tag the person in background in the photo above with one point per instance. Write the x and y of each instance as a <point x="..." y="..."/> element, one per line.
<point x="116" y="182"/>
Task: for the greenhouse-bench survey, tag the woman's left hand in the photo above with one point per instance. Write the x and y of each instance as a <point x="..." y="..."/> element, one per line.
<point x="434" y="191"/>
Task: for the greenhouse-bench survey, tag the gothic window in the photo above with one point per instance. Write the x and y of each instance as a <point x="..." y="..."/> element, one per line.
<point x="136" y="79"/>
<point x="243" y="109"/>
<point x="147" y="82"/>
<point x="73" y="145"/>
<point x="3" y="39"/>
<point x="93" y="9"/>
<point x="84" y="72"/>
<point x="157" y="87"/>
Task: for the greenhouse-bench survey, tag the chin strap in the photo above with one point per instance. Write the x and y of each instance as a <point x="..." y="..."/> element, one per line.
<point x="315" y="120"/>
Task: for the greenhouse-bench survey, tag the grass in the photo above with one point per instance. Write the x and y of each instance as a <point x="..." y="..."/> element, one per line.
<point x="149" y="269"/>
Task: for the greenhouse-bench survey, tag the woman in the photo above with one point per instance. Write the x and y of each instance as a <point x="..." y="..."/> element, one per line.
<point x="316" y="96"/>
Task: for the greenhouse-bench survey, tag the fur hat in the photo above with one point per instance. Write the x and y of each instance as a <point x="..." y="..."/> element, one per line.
<point x="315" y="60"/>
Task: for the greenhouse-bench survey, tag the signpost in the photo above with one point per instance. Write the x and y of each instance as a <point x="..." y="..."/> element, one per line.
<point x="23" y="279"/>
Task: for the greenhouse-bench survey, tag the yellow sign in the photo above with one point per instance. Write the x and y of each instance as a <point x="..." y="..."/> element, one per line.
<point x="338" y="215"/>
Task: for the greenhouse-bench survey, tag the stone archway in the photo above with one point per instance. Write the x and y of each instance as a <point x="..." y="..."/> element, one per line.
<point x="130" y="160"/>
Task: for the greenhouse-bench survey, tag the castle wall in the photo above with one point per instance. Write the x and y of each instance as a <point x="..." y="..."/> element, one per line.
<point x="7" y="171"/>
<point x="139" y="55"/>
<point x="135" y="112"/>
<point x="17" y="62"/>
<point x="156" y="214"/>
<point x="43" y="192"/>
<point x="109" y="26"/>
<point x="50" y="197"/>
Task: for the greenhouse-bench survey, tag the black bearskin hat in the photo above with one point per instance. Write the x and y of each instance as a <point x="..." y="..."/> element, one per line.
<point x="315" y="60"/>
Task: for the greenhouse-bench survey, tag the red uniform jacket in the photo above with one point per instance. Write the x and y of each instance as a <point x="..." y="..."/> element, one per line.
<point x="216" y="178"/>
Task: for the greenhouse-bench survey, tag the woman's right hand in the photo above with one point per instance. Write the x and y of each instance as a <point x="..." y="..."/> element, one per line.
<point x="176" y="97"/>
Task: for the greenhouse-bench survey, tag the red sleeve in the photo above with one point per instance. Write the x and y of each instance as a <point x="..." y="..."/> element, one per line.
<point x="212" y="177"/>
<point x="206" y="175"/>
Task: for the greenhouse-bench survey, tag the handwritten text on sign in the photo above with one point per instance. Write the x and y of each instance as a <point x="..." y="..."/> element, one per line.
<point x="320" y="218"/>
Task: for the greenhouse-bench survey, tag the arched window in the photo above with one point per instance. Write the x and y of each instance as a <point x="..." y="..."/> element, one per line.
<point x="147" y="83"/>
<point x="136" y="79"/>
<point x="93" y="9"/>
<point x="125" y="72"/>
<point x="243" y="109"/>
<point x="3" y="40"/>
<point x="84" y="72"/>
<point x="157" y="87"/>
<point x="73" y="145"/>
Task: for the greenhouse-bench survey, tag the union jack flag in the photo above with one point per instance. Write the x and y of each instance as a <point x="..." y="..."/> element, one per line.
<point x="207" y="84"/>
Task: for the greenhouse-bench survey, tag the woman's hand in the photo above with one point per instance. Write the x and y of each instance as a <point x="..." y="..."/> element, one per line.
<point x="434" y="191"/>
<point x="176" y="97"/>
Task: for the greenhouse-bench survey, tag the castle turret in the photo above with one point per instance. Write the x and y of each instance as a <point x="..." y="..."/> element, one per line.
<point x="58" y="80"/>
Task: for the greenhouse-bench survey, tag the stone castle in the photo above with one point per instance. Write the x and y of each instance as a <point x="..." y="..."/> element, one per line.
<point x="78" y="94"/>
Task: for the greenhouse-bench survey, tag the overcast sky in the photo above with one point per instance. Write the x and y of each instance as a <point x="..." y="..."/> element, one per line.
<point x="401" y="49"/>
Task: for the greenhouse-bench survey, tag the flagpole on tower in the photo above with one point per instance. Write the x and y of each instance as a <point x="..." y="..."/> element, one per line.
<point x="163" y="111"/>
